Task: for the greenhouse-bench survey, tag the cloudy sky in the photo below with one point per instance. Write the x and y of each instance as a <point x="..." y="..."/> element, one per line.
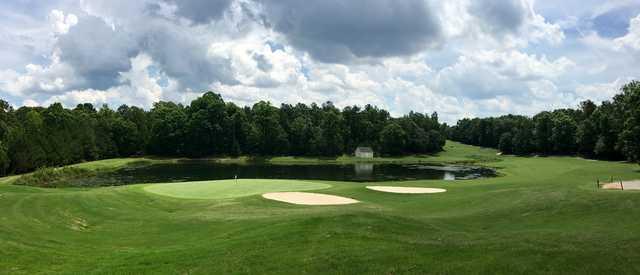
<point x="461" y="58"/>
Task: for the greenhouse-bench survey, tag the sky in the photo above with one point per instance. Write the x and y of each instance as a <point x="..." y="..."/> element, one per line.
<point x="460" y="58"/>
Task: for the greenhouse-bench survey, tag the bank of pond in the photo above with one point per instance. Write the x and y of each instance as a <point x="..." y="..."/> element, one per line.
<point x="201" y="170"/>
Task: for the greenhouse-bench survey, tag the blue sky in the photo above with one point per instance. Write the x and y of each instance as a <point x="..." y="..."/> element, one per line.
<point x="464" y="58"/>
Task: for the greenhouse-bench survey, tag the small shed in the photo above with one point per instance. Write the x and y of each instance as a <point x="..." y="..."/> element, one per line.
<point x="364" y="152"/>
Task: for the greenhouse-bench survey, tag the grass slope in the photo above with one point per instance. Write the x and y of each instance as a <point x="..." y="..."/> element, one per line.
<point x="226" y="189"/>
<point x="543" y="215"/>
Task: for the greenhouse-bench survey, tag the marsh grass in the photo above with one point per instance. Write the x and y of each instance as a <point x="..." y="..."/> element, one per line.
<point x="56" y="177"/>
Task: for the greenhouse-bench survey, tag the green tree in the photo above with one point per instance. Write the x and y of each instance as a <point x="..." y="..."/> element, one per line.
<point x="62" y="146"/>
<point x="85" y="128"/>
<point x="628" y="107"/>
<point x="126" y="137"/>
<point x="563" y="134"/>
<point x="26" y="143"/>
<point x="523" y="141"/>
<point x="273" y="138"/>
<point x="168" y="121"/>
<point x="332" y="131"/>
<point x="139" y="118"/>
<point x="608" y="129"/>
<point x="301" y="131"/>
<point x="417" y="138"/>
<point x="207" y="126"/>
<point x="5" y="161"/>
<point x="506" y="143"/>
<point x="586" y="137"/>
<point x="543" y="130"/>
<point x="105" y="142"/>
<point x="392" y="139"/>
<point x="52" y="136"/>
<point x="435" y="141"/>
<point x="317" y="142"/>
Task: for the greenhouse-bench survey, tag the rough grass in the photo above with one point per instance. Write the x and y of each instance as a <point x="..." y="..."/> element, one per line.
<point x="226" y="189"/>
<point x="55" y="177"/>
<point x="112" y="164"/>
<point x="543" y="216"/>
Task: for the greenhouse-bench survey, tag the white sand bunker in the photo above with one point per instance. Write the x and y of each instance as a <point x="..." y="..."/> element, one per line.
<point x="626" y="185"/>
<point x="406" y="190"/>
<point x="305" y="198"/>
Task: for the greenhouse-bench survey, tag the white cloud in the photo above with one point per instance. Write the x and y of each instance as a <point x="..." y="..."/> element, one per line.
<point x="75" y="97"/>
<point x="53" y="78"/>
<point x="539" y="29"/>
<point x="30" y="103"/>
<point x="629" y="43"/>
<point x="138" y="86"/>
<point x="598" y="92"/>
<point x="61" y="23"/>
<point x="632" y="39"/>
<point x="255" y="63"/>
<point x="491" y="24"/>
<point x="489" y="59"/>
<point x="485" y="74"/>
<point x="518" y="65"/>
<point x="607" y="6"/>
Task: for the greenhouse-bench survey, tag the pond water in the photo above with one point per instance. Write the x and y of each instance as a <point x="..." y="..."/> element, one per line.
<point x="205" y="170"/>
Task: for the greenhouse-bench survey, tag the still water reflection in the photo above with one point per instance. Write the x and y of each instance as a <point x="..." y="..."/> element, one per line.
<point x="205" y="170"/>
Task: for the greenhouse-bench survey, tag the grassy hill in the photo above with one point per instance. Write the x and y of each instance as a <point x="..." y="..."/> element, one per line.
<point x="542" y="215"/>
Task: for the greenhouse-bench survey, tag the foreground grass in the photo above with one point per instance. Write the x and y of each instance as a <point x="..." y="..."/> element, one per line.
<point x="543" y="215"/>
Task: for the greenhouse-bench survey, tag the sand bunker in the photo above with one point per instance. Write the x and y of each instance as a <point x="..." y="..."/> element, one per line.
<point x="406" y="190"/>
<point x="628" y="185"/>
<point x="304" y="198"/>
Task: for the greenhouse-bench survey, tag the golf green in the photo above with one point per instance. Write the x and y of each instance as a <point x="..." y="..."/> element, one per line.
<point x="225" y="189"/>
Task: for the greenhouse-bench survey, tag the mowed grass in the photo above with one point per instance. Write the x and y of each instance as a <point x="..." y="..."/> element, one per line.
<point x="543" y="215"/>
<point x="226" y="189"/>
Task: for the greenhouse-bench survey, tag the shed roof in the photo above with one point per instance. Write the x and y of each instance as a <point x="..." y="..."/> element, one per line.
<point x="364" y="149"/>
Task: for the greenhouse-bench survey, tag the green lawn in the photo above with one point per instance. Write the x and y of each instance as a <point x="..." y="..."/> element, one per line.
<point x="542" y="215"/>
<point x="226" y="189"/>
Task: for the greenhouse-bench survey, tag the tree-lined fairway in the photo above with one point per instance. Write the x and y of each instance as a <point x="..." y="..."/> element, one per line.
<point x="226" y="189"/>
<point x="543" y="215"/>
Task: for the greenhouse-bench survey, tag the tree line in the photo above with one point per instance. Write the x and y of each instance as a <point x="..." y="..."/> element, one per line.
<point x="610" y="130"/>
<point x="33" y="137"/>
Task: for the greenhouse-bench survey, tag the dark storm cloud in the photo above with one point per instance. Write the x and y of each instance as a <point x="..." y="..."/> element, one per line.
<point x="183" y="56"/>
<point x="337" y="31"/>
<point x="500" y="16"/>
<point x="201" y="11"/>
<point x="97" y="51"/>
<point x="263" y="63"/>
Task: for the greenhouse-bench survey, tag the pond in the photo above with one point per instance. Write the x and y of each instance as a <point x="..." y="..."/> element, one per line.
<point x="206" y="170"/>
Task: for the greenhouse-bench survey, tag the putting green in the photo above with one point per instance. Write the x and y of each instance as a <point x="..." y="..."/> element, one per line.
<point x="225" y="189"/>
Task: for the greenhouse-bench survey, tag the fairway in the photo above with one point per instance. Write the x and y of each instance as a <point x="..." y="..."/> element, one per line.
<point x="542" y="215"/>
<point x="226" y="189"/>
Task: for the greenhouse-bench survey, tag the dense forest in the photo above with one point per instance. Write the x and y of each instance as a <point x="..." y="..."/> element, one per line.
<point x="610" y="130"/>
<point x="33" y="137"/>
